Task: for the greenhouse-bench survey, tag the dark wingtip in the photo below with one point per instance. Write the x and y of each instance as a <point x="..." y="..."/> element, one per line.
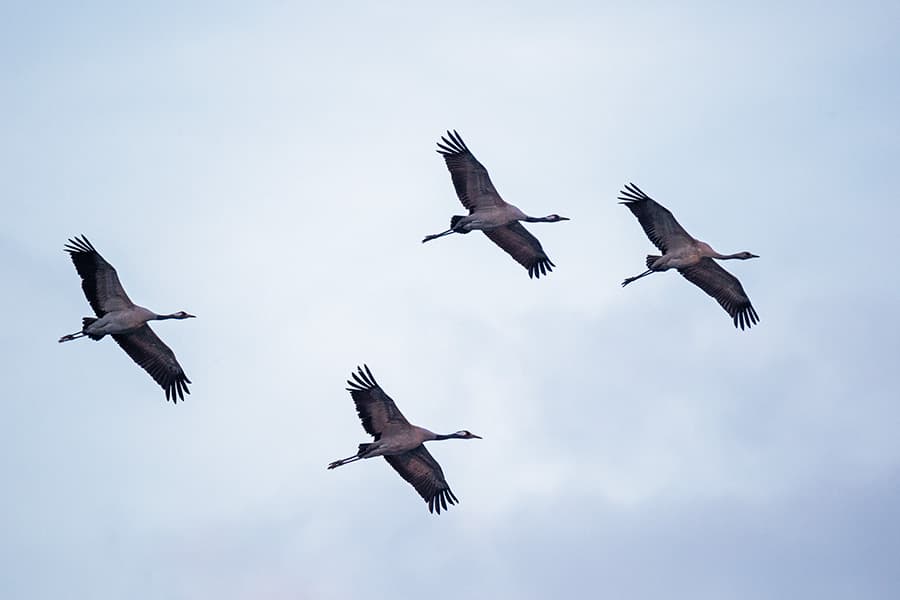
<point x="452" y="144"/>
<point x="362" y="380"/>
<point x="369" y="373"/>
<point x="176" y="390"/>
<point x="746" y="318"/>
<point x="542" y="267"/>
<point x="632" y="193"/>
<point x="76" y="245"/>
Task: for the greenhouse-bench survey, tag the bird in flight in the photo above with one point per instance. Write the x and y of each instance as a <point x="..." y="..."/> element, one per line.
<point x="124" y="320"/>
<point x="401" y="444"/>
<point x="488" y="212"/>
<point x="690" y="257"/>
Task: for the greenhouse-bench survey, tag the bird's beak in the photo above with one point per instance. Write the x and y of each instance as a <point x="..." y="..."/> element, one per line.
<point x="190" y="316"/>
<point x="754" y="256"/>
<point x="565" y="219"/>
<point x="477" y="437"/>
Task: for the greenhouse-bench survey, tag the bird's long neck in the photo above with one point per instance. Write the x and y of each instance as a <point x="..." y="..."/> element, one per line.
<point x="157" y="317"/>
<point x="447" y="436"/>
<point x="529" y="219"/>
<point x="727" y="256"/>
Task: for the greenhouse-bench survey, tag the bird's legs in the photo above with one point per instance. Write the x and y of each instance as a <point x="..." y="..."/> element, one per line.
<point x="434" y="236"/>
<point x="636" y="277"/>
<point x="72" y="336"/>
<point x="344" y="461"/>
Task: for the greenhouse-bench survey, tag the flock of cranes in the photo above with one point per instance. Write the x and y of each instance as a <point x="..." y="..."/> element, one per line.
<point x="396" y="439"/>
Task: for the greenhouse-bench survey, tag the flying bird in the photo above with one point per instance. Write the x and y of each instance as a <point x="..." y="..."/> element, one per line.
<point x="487" y="210"/>
<point x="400" y="443"/>
<point x="691" y="257"/>
<point x="124" y="320"/>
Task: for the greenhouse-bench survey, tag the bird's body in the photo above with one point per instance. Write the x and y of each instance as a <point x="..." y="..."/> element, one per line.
<point x="683" y="256"/>
<point x="689" y="256"/>
<point x="489" y="218"/>
<point x="399" y="442"/>
<point x="124" y="320"/>
<point x="115" y="322"/>
<point x="488" y="212"/>
<point x="403" y="440"/>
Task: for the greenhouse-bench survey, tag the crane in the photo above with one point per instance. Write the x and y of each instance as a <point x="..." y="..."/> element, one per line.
<point x="400" y="443"/>
<point x="124" y="320"/>
<point x="691" y="257"/>
<point x="488" y="212"/>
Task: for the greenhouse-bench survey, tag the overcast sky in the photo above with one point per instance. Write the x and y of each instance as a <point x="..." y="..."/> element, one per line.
<point x="270" y="167"/>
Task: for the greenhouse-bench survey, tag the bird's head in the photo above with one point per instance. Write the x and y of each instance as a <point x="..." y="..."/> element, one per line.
<point x="466" y="435"/>
<point x="183" y="315"/>
<point x="554" y="218"/>
<point x="746" y="255"/>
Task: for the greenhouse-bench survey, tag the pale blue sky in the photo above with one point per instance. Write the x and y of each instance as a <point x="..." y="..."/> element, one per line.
<point x="271" y="168"/>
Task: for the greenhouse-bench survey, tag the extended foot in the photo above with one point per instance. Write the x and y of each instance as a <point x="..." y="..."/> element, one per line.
<point x="434" y="236"/>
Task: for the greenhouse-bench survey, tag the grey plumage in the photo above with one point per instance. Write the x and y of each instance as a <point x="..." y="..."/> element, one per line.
<point x="525" y="249"/>
<point x="691" y="257"/>
<point x="125" y="321"/>
<point x="488" y="212"/>
<point x="399" y="442"/>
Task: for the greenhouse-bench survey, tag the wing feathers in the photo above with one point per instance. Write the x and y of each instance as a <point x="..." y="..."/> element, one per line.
<point x="99" y="279"/>
<point x="420" y="469"/>
<point x="657" y="221"/>
<point x="523" y="247"/>
<point x="470" y="178"/>
<point x="151" y="354"/>
<point x="376" y="409"/>
<point x="725" y="288"/>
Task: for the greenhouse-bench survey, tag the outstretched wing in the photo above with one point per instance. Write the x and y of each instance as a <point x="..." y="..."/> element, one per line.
<point x="523" y="247"/>
<point x="148" y="351"/>
<point x="658" y="223"/>
<point x="419" y="468"/>
<point x="375" y="408"/>
<point x="710" y="277"/>
<point x="98" y="278"/>
<point x="470" y="178"/>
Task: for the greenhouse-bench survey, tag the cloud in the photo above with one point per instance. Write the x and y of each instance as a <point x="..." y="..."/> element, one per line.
<point x="272" y="171"/>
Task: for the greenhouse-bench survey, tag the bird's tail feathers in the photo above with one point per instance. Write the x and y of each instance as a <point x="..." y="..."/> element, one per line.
<point x="454" y="220"/>
<point x="85" y="323"/>
<point x="651" y="258"/>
